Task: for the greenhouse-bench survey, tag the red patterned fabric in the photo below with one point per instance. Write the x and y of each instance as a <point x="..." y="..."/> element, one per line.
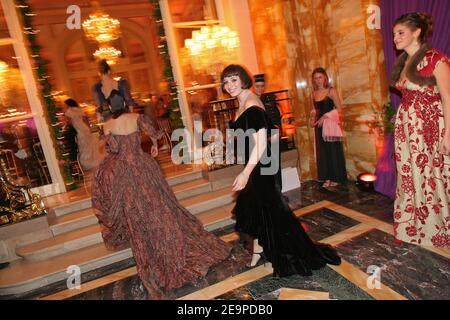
<point x="137" y="208"/>
<point x="422" y="203"/>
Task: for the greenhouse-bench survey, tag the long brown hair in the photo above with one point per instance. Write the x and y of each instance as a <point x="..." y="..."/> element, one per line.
<point x="417" y="20"/>
<point x="321" y="71"/>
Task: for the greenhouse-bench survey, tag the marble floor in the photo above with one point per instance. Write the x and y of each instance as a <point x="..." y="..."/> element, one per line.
<point x="357" y="223"/>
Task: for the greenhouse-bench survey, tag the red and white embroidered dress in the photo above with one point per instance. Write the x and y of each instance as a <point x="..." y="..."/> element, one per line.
<point x="422" y="202"/>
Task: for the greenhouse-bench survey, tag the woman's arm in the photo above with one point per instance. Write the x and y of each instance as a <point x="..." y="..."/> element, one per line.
<point x="260" y="139"/>
<point x="126" y="92"/>
<point x="98" y="103"/>
<point x="313" y="113"/>
<point x="442" y="74"/>
<point x="334" y="95"/>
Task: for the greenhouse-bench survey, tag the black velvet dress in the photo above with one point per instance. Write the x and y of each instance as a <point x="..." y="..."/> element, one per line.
<point x="329" y="155"/>
<point x="262" y="212"/>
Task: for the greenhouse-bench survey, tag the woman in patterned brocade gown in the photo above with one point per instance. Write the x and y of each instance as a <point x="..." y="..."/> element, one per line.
<point x="136" y="207"/>
<point x="422" y="136"/>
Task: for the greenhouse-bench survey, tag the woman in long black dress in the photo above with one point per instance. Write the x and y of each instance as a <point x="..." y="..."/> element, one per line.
<point x="260" y="210"/>
<point x="329" y="154"/>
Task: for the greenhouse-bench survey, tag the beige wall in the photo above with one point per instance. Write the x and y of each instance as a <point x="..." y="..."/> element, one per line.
<point x="292" y="37"/>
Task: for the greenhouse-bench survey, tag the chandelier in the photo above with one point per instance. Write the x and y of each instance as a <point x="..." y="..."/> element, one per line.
<point x="211" y="47"/>
<point x="110" y="54"/>
<point x="3" y="67"/>
<point x="102" y="28"/>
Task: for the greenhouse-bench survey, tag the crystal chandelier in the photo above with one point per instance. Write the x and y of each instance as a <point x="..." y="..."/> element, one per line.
<point x="110" y="54"/>
<point x="101" y="27"/>
<point x="3" y="67"/>
<point x="211" y="47"/>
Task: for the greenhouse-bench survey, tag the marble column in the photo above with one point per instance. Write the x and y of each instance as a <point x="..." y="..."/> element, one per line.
<point x="293" y="37"/>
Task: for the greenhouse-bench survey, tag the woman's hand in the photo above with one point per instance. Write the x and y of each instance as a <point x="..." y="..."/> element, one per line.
<point x="154" y="150"/>
<point x="319" y="122"/>
<point x="240" y="182"/>
<point x="445" y="145"/>
<point x="312" y="118"/>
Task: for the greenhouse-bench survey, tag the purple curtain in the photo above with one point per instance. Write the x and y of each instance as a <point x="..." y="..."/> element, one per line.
<point x="390" y="11"/>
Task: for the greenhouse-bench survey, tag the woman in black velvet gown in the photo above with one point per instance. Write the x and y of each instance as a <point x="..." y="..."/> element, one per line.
<point x="329" y="154"/>
<point x="261" y="210"/>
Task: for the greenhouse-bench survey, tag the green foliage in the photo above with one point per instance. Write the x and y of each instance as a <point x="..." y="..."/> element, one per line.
<point x="388" y="113"/>
<point x="45" y="87"/>
<point x="39" y="65"/>
<point x="174" y="108"/>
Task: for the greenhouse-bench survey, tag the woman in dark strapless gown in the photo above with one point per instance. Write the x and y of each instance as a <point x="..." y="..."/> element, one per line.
<point x="260" y="209"/>
<point x="329" y="154"/>
<point x="136" y="207"/>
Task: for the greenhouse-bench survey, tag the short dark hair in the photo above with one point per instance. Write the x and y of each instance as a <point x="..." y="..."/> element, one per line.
<point x="71" y="103"/>
<point x="417" y="20"/>
<point x="103" y="67"/>
<point x="241" y="72"/>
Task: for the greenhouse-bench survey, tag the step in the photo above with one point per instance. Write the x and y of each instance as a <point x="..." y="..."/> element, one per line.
<point x="61" y="244"/>
<point x="73" y="206"/>
<point x="74" y="240"/>
<point x="191" y="188"/>
<point x="86" y="217"/>
<point x="185" y="173"/>
<point x="217" y="218"/>
<point x="73" y="221"/>
<point x="83" y="200"/>
<point x="209" y="201"/>
<point x="23" y="276"/>
<point x="176" y="174"/>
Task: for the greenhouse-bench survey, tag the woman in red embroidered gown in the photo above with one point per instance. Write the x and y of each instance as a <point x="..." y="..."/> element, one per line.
<point x="422" y="136"/>
<point x="137" y="208"/>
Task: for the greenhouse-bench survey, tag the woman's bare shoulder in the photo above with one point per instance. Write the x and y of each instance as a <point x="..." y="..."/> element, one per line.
<point x="132" y="115"/>
<point x="254" y="101"/>
<point x="333" y="91"/>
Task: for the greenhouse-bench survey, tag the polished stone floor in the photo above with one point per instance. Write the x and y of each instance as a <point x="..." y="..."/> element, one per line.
<point x="357" y="223"/>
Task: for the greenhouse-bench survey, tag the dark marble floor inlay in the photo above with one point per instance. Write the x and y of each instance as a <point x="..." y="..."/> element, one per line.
<point x="85" y="277"/>
<point x="131" y="288"/>
<point x="325" y="280"/>
<point x="412" y="271"/>
<point x="324" y="223"/>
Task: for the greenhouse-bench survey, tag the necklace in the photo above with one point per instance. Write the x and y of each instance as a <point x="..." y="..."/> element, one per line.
<point x="241" y="103"/>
